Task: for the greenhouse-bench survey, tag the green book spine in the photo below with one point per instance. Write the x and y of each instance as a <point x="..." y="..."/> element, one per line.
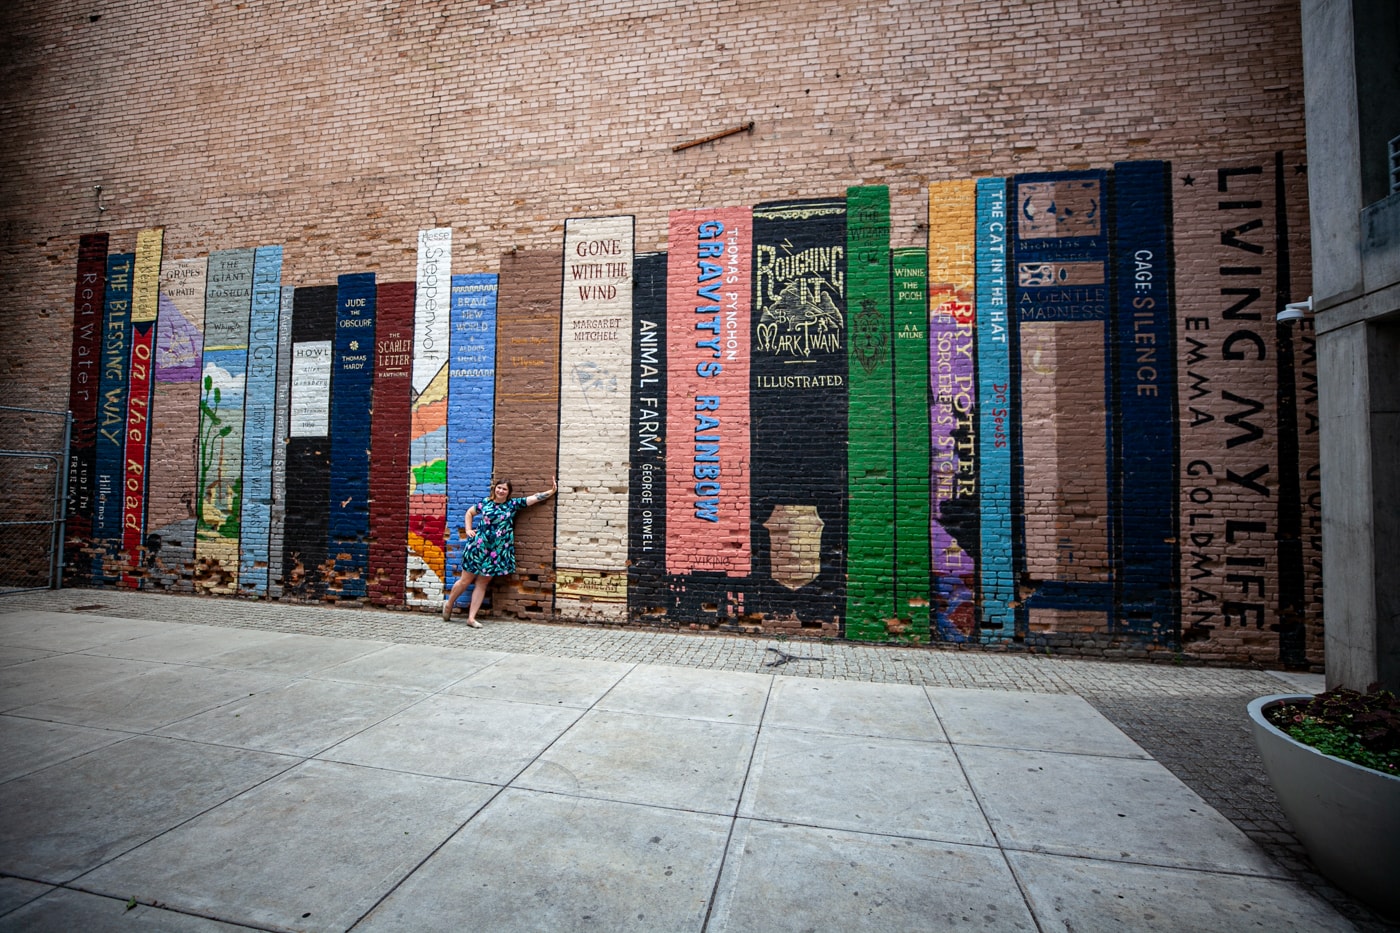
<point x="909" y="278"/>
<point x="870" y="530"/>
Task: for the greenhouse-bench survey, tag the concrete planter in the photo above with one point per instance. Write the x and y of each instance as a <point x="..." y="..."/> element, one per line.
<point x="1347" y="816"/>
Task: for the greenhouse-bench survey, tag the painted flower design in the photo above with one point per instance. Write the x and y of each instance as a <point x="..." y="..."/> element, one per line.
<point x="492" y="550"/>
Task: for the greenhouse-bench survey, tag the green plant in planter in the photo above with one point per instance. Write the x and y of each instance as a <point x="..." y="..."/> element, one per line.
<point x="1363" y="728"/>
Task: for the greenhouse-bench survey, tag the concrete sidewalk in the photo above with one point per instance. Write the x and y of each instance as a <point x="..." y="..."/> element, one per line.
<point x="178" y="763"/>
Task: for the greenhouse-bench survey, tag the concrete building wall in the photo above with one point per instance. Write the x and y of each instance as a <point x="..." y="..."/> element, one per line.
<point x="1351" y="50"/>
<point x="1122" y="513"/>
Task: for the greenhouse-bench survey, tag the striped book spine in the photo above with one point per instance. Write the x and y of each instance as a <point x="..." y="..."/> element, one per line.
<point x="952" y="301"/>
<point x="111" y="416"/>
<point x="85" y="373"/>
<point x="309" y="443"/>
<point x="1226" y="232"/>
<point x="471" y="407"/>
<point x="1294" y="448"/>
<point x="281" y="433"/>
<point x="595" y="367"/>
<point x="352" y="390"/>
<point x="393" y="420"/>
<point x="1146" y="580"/>
<point x="527" y="419"/>
<point x="1300" y="638"/>
<point x="909" y="285"/>
<point x="427" y="475"/>
<point x="997" y="567"/>
<point x="259" y="422"/>
<point x="1061" y="302"/>
<point x="172" y="482"/>
<point x="227" y="303"/>
<point x="646" y="577"/>
<point x="145" y="305"/>
<point x="709" y="335"/>
<point x="799" y="394"/>
<point x="870" y="559"/>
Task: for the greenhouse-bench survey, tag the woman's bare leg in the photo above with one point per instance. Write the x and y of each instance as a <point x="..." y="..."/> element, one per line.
<point x="478" y="594"/>
<point x="463" y="581"/>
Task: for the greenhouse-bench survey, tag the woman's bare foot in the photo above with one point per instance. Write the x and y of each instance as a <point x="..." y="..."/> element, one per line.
<point x="473" y="623"/>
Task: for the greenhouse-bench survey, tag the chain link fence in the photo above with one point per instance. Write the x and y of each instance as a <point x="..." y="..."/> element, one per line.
<point x="33" y="494"/>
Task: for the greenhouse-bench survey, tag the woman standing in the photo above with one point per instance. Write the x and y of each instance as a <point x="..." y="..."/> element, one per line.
<point x="490" y="550"/>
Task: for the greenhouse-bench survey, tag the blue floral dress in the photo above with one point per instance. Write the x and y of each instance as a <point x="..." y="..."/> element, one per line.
<point x="492" y="551"/>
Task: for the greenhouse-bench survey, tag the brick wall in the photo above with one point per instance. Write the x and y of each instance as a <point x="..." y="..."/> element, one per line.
<point x="341" y="130"/>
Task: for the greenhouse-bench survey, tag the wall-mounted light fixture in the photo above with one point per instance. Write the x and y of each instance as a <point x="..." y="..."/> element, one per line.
<point x="1295" y="310"/>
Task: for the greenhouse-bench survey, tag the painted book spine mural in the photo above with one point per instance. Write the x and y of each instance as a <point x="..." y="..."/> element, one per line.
<point x="111" y="416"/>
<point x="227" y="304"/>
<point x="171" y="496"/>
<point x="913" y="558"/>
<point x="527" y="419"/>
<point x="647" y="482"/>
<point x="281" y="430"/>
<point x="870" y="559"/>
<point x="1145" y="462"/>
<point x="1060" y="305"/>
<point x="145" y="292"/>
<point x="1037" y="428"/>
<point x="352" y="389"/>
<point x="799" y="390"/>
<point x="427" y="478"/>
<point x="85" y="374"/>
<point x="1226" y="221"/>
<point x="1294" y="455"/>
<point x="309" y="442"/>
<point x="259" y="422"/>
<point x="393" y="419"/>
<point x="1295" y="262"/>
<point x="471" y="401"/>
<point x="709" y="338"/>
<point x="595" y="359"/>
<point x="996" y="554"/>
<point x="953" y="428"/>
